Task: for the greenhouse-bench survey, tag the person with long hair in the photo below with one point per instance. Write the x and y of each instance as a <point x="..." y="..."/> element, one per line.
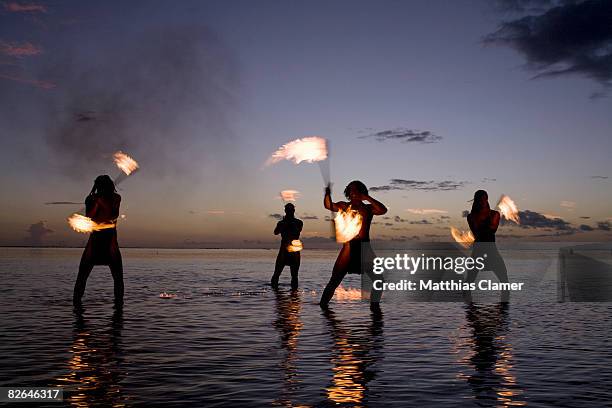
<point x="483" y="222"/>
<point x="354" y="255"/>
<point x="102" y="206"/>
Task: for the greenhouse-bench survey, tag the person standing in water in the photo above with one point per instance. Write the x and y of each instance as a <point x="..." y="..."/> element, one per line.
<point x="483" y="222"/>
<point x="356" y="253"/>
<point x="289" y="228"/>
<point x="102" y="206"/>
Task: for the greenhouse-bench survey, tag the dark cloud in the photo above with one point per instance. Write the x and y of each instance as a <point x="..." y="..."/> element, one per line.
<point x="276" y="216"/>
<point x="600" y="177"/>
<point x="37" y="232"/>
<point x="533" y="219"/>
<point x="585" y="227"/>
<point x="309" y="217"/>
<point x="568" y="37"/>
<point x="421" y="222"/>
<point x="604" y="225"/>
<point x="401" y="184"/>
<point x="585" y="218"/>
<point x="488" y="179"/>
<point x="404" y="135"/>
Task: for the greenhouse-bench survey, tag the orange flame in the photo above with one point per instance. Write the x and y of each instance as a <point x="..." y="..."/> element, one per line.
<point x="508" y="209"/>
<point x="348" y="224"/>
<point x="343" y="293"/>
<point x="125" y="163"/>
<point x="308" y="149"/>
<point x="81" y="223"/>
<point x="465" y="239"/>
<point x="295" y="246"/>
<point x="289" y="195"/>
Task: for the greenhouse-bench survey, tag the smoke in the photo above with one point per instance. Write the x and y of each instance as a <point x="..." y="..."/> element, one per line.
<point x="162" y="93"/>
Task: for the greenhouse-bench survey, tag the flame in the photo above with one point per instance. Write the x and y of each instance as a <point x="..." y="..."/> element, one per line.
<point x="343" y="293"/>
<point x="508" y="209"/>
<point x="295" y="246"/>
<point x="289" y="195"/>
<point x="81" y="223"/>
<point x="466" y="239"/>
<point x="308" y="149"/>
<point x="125" y="163"/>
<point x="348" y="224"/>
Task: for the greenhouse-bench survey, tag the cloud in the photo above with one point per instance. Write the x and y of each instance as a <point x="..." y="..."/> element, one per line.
<point x="584" y="227"/>
<point x="600" y="177"/>
<point x="34" y="82"/>
<point x="565" y="38"/>
<point x="309" y="217"/>
<point x="215" y="212"/>
<point x="533" y="219"/>
<point x="63" y="203"/>
<point x="19" y="50"/>
<point x="421" y="222"/>
<point x="37" y="232"/>
<point x="604" y="225"/>
<point x="276" y="216"/>
<point x="568" y="204"/>
<point x="14" y="7"/>
<point x="425" y="211"/>
<point x="401" y="184"/>
<point x="404" y="135"/>
<point x="488" y="179"/>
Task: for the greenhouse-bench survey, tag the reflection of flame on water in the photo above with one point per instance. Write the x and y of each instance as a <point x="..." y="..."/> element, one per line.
<point x="465" y="239"/>
<point x="508" y="209"/>
<point x="343" y="293"/>
<point x="348" y="224"/>
<point x="295" y="246"/>
<point x="308" y="149"/>
<point x="165" y="295"/>
<point x="81" y="223"/>
<point x="348" y="375"/>
<point x="289" y="195"/>
<point x="125" y="163"/>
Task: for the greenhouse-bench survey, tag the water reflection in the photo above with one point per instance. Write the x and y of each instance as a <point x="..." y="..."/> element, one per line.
<point x="96" y="367"/>
<point x="492" y="380"/>
<point x="354" y="356"/>
<point x="289" y="325"/>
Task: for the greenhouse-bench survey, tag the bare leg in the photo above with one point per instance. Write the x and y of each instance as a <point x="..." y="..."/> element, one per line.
<point x="79" y="287"/>
<point x="278" y="268"/>
<point x="294" y="274"/>
<point x="116" y="268"/>
<point x="339" y="272"/>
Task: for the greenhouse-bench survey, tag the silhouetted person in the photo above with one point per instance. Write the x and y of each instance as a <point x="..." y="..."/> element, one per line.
<point x="289" y="228"/>
<point x="483" y="222"/>
<point x="102" y="206"/>
<point x="355" y="255"/>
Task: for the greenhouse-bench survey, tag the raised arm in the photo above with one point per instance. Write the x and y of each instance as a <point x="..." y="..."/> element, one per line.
<point x="378" y="208"/>
<point x="327" y="200"/>
<point x="278" y="228"/>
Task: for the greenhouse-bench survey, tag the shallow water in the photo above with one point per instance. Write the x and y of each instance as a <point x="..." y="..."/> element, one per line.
<point x="228" y="340"/>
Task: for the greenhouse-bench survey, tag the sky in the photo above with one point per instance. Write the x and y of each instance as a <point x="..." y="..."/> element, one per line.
<point x="424" y="101"/>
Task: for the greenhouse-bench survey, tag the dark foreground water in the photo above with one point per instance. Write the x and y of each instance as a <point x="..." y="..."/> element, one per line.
<point x="228" y="340"/>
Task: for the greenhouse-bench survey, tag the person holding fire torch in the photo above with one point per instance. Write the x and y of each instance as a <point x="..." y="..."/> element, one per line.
<point x="356" y="248"/>
<point x="289" y="252"/>
<point x="102" y="207"/>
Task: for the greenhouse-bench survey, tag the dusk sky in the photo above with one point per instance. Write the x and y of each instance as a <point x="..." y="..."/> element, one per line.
<point x="427" y="101"/>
